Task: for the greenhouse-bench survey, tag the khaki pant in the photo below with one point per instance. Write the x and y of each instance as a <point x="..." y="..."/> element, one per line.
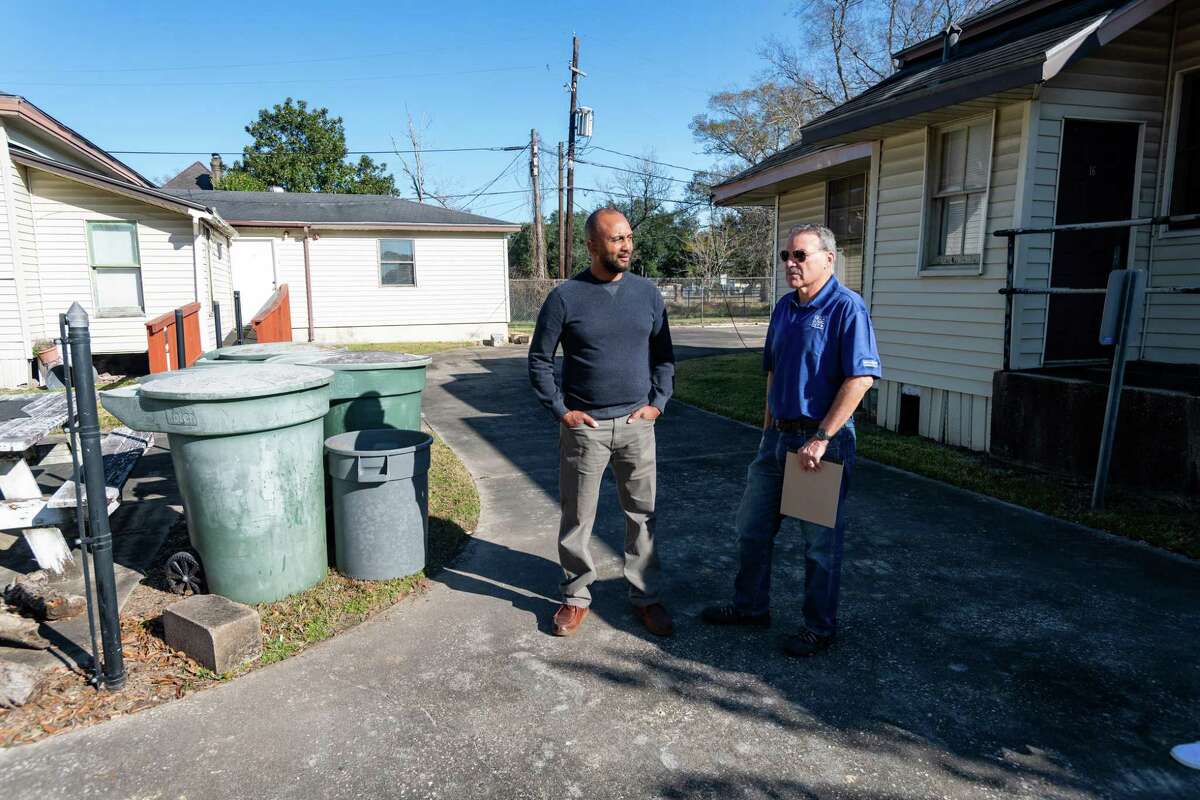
<point x="584" y="454"/>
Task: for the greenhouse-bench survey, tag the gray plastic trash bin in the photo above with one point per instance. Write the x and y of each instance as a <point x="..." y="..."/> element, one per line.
<point x="380" y="502"/>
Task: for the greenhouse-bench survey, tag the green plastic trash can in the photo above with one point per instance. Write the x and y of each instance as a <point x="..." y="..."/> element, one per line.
<point x="372" y="389"/>
<point x="255" y="352"/>
<point x="380" y="502"/>
<point x="246" y="444"/>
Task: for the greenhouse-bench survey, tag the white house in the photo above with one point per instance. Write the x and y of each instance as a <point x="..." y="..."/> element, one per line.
<point x="76" y="224"/>
<point x="380" y="268"/>
<point x="1040" y="112"/>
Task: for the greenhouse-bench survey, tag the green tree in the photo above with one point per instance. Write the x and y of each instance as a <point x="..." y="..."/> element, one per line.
<point x="304" y="150"/>
<point x="237" y="181"/>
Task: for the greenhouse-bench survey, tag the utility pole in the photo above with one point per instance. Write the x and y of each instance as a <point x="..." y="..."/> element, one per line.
<point x="539" y="235"/>
<point x="562" y="269"/>
<point x="570" y="235"/>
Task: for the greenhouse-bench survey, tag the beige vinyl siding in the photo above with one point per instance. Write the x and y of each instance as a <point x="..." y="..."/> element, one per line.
<point x="14" y="357"/>
<point x="1172" y="328"/>
<point x="61" y="211"/>
<point x="942" y="335"/>
<point x="805" y="204"/>
<point x="460" y="281"/>
<point x="22" y="204"/>
<point x="1124" y="81"/>
<point x="222" y="281"/>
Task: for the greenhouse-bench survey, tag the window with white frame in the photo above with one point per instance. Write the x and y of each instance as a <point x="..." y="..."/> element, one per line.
<point x="397" y="265"/>
<point x="960" y="160"/>
<point x="845" y="215"/>
<point x="1185" y="178"/>
<point x="116" y="267"/>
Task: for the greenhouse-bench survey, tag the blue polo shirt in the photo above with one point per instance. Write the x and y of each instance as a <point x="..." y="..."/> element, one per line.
<point x="812" y="348"/>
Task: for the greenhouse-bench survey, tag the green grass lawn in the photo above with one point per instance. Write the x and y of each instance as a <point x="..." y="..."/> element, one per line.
<point x="416" y="348"/>
<point x="733" y="386"/>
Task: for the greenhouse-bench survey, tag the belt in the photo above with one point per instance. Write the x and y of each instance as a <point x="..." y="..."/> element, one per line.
<point x="796" y="425"/>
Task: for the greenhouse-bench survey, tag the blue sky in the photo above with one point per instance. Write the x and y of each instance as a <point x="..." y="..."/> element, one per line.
<point x="174" y="76"/>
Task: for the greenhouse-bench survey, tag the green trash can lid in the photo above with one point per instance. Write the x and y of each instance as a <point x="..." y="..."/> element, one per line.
<point x="236" y="382"/>
<point x="261" y="352"/>
<point x="359" y="359"/>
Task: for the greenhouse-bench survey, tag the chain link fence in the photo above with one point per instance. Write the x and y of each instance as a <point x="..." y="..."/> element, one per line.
<point x="689" y="300"/>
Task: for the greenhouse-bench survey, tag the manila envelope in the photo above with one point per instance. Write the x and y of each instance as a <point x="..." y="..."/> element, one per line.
<point x="811" y="496"/>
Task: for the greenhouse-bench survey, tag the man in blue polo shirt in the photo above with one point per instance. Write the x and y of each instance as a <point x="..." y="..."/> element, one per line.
<point x="820" y="358"/>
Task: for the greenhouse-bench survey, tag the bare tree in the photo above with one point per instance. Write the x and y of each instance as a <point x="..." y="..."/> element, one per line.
<point x="412" y="165"/>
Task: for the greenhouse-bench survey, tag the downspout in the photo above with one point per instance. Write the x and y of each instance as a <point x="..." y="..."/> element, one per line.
<point x="308" y="283"/>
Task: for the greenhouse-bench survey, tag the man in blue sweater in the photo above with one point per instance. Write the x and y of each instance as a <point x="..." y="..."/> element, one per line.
<point x="618" y="368"/>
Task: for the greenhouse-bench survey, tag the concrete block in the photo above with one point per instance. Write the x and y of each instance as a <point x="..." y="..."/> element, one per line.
<point x="214" y="630"/>
<point x="519" y="338"/>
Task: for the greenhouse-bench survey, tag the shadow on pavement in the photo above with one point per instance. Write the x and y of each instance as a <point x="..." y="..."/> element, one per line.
<point x="979" y="643"/>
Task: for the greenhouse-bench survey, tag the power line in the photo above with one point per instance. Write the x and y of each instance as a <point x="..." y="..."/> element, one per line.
<point x="107" y="84"/>
<point x="498" y="177"/>
<point x="505" y="149"/>
<point x="648" y="160"/>
<point x="635" y="172"/>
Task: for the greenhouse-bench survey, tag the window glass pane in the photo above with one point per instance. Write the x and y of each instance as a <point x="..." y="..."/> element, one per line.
<point x="1185" y="192"/>
<point x="118" y="288"/>
<point x="973" y="232"/>
<point x="395" y="250"/>
<point x="954" y="213"/>
<point x="839" y="193"/>
<point x="837" y="222"/>
<point x="113" y="243"/>
<point x="858" y="190"/>
<point x="954" y="154"/>
<point x="856" y="222"/>
<point x="396" y="274"/>
<point x="978" y="143"/>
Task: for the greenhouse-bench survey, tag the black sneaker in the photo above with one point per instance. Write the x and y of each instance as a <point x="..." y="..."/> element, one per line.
<point x="806" y="643"/>
<point x="729" y="615"/>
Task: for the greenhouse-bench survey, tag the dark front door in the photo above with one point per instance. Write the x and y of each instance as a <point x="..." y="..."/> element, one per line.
<point x="1095" y="184"/>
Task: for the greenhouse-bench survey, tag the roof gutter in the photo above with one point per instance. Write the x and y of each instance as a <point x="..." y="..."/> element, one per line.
<point x="726" y="193"/>
<point x="377" y="226"/>
<point x="152" y="197"/>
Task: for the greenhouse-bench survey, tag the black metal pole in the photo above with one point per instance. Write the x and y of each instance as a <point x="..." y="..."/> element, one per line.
<point x="180" y="341"/>
<point x="237" y="316"/>
<point x="100" y="536"/>
<point x="217" y="321"/>
<point x="1008" y="299"/>
<point x="77" y="476"/>
<point x="1116" y="383"/>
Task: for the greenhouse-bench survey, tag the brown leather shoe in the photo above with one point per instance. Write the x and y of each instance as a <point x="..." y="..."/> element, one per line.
<point x="568" y="618"/>
<point x="656" y="618"/>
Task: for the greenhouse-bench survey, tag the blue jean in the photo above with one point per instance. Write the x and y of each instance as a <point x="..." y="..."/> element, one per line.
<point x="758" y="520"/>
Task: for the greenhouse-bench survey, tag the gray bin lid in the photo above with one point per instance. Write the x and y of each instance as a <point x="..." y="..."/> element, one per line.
<point x="236" y="382"/>
<point x="338" y="360"/>
<point x="261" y="352"/>
<point x="378" y="442"/>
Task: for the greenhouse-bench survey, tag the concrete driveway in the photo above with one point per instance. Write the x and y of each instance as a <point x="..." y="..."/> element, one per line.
<point x="986" y="652"/>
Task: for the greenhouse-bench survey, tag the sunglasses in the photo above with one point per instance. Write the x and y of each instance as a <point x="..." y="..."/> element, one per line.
<point x="798" y="255"/>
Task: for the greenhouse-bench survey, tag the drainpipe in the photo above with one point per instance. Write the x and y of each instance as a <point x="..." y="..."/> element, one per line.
<point x="308" y="282"/>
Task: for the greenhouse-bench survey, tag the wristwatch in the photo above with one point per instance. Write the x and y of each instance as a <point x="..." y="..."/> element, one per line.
<point x="821" y="435"/>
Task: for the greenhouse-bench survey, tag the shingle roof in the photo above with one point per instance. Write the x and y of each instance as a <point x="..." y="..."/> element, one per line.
<point x="197" y="176"/>
<point x="320" y="207"/>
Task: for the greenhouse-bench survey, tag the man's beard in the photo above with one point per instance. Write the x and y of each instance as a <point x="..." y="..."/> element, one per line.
<point x="614" y="265"/>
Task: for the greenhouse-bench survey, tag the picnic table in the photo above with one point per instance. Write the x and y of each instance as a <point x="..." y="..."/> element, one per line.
<point x="26" y="420"/>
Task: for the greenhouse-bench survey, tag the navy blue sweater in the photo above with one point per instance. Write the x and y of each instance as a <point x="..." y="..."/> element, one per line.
<point x="617" y="354"/>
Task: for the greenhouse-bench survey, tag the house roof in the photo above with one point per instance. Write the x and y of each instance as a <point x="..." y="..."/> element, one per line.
<point x="1016" y="43"/>
<point x="345" y="211"/>
<point x="197" y="176"/>
<point x="14" y="105"/>
<point x="150" y="195"/>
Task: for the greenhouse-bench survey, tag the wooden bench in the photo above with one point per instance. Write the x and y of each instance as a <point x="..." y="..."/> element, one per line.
<point x="121" y="450"/>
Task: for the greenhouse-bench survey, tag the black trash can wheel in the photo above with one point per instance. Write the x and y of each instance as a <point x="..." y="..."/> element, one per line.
<point x="184" y="574"/>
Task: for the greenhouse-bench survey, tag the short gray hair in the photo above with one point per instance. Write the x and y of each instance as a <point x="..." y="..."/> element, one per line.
<point x="828" y="240"/>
